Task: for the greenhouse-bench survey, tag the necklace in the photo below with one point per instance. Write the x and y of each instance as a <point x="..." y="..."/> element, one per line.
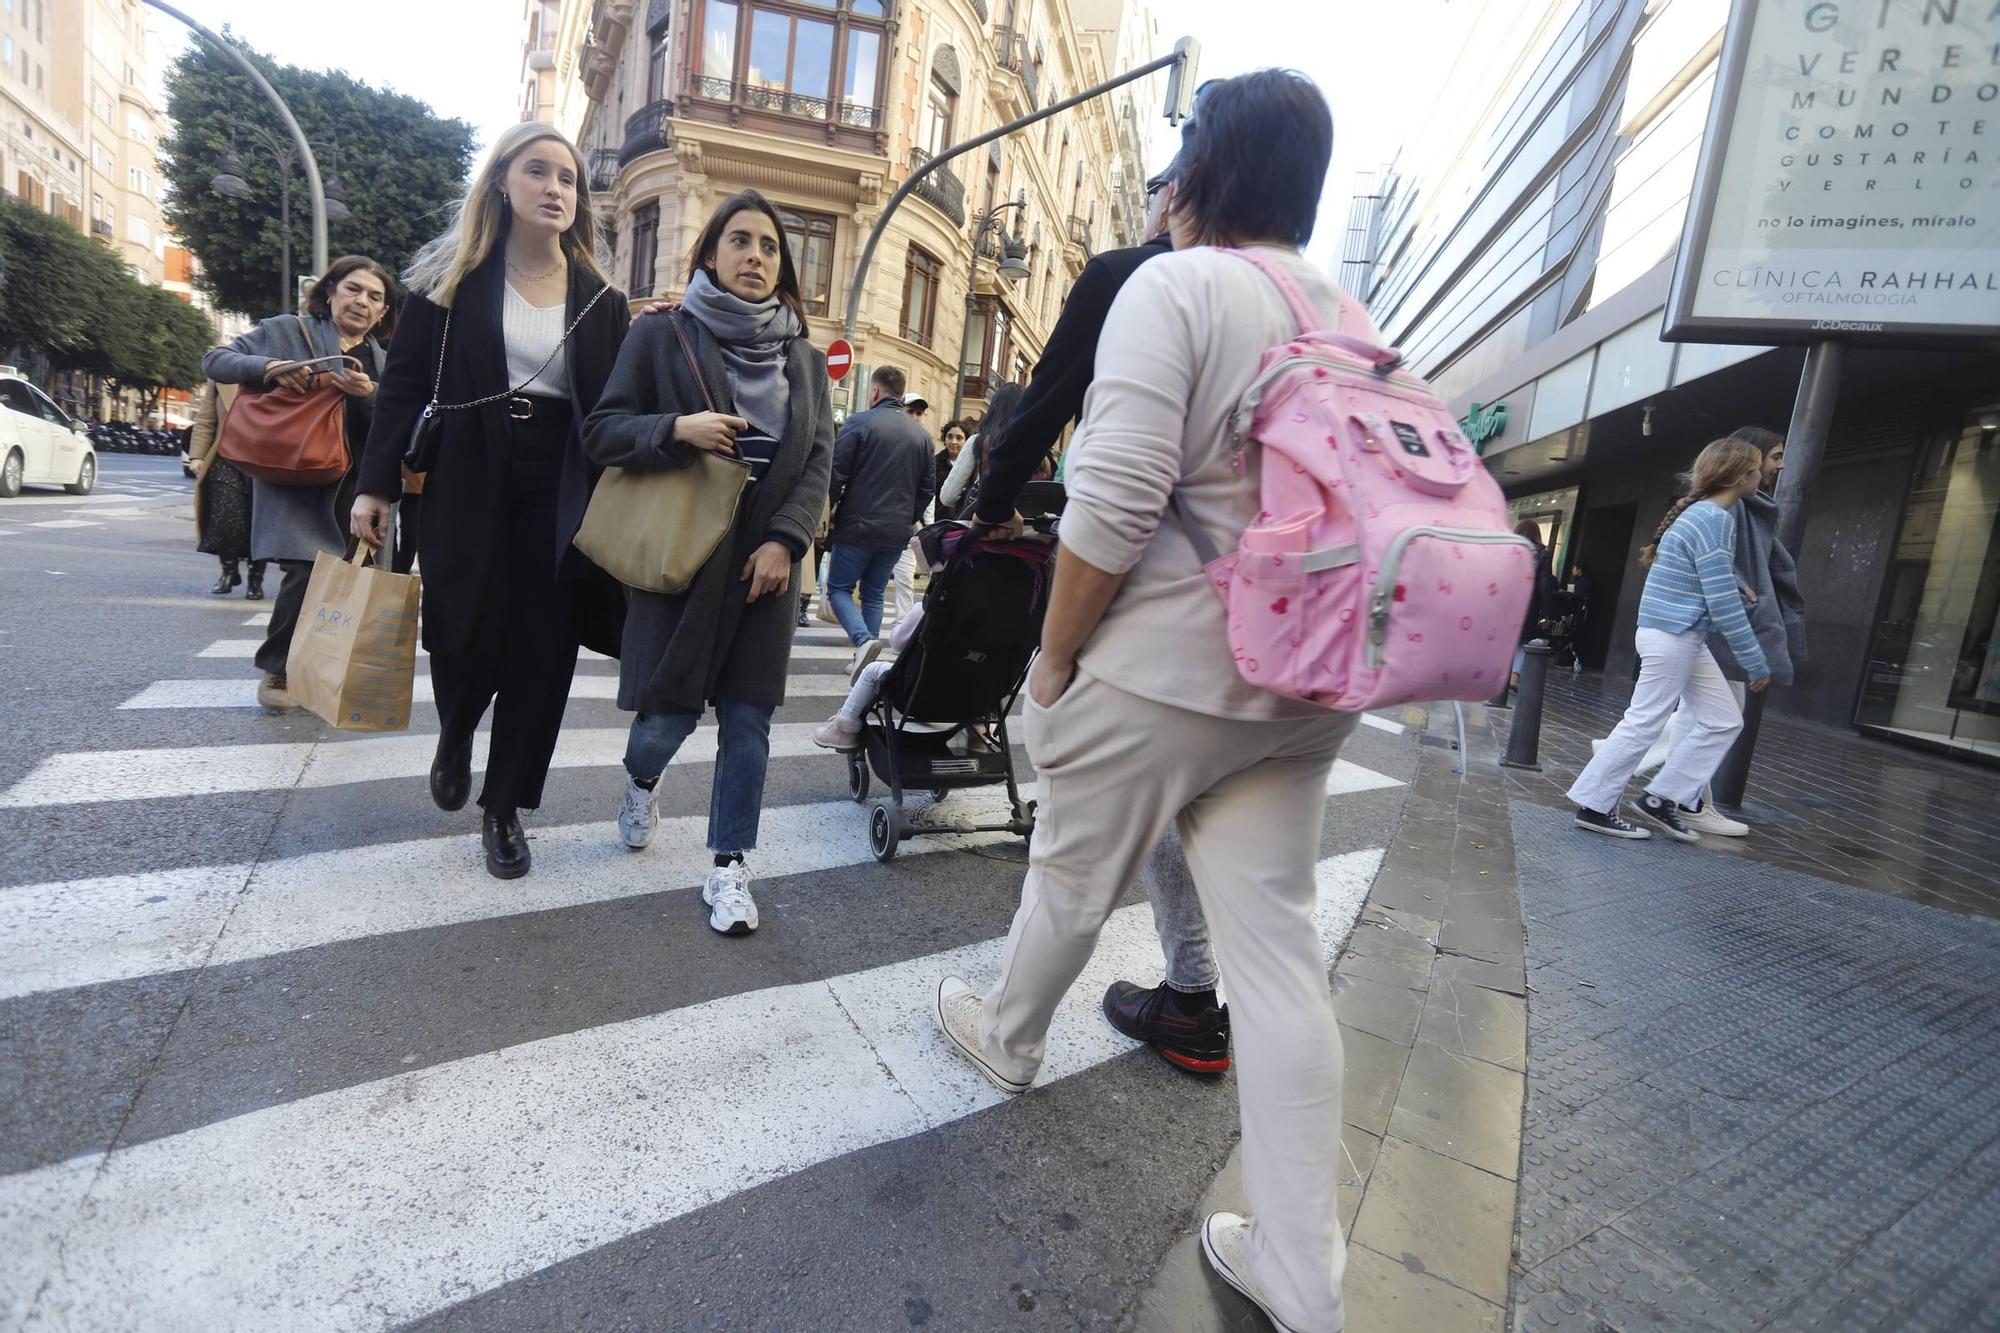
<point x="536" y="277"/>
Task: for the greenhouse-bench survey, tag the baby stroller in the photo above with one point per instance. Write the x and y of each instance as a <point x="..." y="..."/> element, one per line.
<point x="964" y="671"/>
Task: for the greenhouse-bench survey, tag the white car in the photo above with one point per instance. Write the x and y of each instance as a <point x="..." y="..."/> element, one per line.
<point x="40" y="444"/>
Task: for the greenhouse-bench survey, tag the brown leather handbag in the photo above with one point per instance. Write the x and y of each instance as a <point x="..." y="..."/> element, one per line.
<point x="286" y="436"/>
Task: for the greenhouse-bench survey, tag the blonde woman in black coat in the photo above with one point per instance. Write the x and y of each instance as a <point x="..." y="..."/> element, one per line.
<point x="728" y="640"/>
<point x="506" y="599"/>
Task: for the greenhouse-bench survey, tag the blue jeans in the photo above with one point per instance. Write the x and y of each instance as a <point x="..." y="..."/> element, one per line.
<point x="871" y="567"/>
<point x="744" y="752"/>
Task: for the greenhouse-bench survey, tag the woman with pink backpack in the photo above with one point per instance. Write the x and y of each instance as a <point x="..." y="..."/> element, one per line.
<point x="1138" y="715"/>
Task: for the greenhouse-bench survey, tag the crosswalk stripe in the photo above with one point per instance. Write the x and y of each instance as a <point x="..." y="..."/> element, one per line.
<point x="238" y="649"/>
<point x="74" y="778"/>
<point x="66" y="523"/>
<point x="389" y="1200"/>
<point x="91" y="931"/>
<point x="262" y="618"/>
<point x="1382" y="724"/>
<point x="70" y="779"/>
<point x="209" y="693"/>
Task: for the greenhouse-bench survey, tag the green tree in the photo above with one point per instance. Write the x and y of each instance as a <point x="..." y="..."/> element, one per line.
<point x="56" y="285"/>
<point x="160" y="345"/>
<point x="400" y="167"/>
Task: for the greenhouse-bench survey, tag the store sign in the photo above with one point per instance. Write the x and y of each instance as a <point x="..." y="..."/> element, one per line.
<point x="1849" y="183"/>
<point x="1484" y="422"/>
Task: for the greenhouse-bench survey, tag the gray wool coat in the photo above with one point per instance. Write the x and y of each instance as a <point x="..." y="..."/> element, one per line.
<point x="293" y="522"/>
<point x="684" y="652"/>
<point x="1778" y="616"/>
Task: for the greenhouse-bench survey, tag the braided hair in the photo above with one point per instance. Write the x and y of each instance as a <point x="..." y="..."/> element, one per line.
<point x="1723" y="464"/>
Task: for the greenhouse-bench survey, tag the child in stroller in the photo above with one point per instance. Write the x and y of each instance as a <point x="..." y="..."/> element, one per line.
<point x="935" y="718"/>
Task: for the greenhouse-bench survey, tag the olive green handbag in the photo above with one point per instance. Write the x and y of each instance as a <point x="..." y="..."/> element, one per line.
<point x="655" y="530"/>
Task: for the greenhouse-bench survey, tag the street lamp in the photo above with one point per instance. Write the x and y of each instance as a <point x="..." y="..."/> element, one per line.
<point x="229" y="182"/>
<point x="1012" y="266"/>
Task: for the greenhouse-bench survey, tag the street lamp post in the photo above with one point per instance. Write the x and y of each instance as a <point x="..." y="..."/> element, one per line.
<point x="1012" y="266"/>
<point x="291" y="124"/>
<point x="228" y="181"/>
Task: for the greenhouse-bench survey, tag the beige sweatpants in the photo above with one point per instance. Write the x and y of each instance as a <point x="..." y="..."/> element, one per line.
<point x="1250" y="800"/>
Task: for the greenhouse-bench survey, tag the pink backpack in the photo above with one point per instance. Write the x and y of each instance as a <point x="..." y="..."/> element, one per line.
<point x="1381" y="569"/>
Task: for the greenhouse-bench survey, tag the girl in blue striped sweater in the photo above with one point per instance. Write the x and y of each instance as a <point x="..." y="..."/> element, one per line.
<point x="1691" y="588"/>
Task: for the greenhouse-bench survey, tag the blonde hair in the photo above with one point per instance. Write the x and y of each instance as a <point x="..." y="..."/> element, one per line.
<point x="1723" y="465"/>
<point x="481" y="221"/>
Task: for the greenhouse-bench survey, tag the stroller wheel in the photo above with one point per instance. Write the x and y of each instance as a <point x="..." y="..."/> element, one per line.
<point x="939" y="793"/>
<point x="857" y="775"/>
<point x="885" y="830"/>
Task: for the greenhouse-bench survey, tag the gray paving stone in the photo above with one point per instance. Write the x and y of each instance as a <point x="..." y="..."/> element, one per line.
<point x="1471" y="1020"/>
<point x="1461" y="1107"/>
<point x="1756" y="1097"/>
<point x="1387" y="1011"/>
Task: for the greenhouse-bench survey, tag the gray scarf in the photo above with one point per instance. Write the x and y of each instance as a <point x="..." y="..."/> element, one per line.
<point x="753" y="338"/>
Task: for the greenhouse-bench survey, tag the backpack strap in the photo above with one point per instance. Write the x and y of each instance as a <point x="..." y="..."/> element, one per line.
<point x="1351" y="319"/>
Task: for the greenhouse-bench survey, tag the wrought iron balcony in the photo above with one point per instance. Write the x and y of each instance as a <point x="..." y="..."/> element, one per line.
<point x="940" y="189"/>
<point x="99" y="227"/>
<point x="716" y="90"/>
<point x="786" y="103"/>
<point x="1079" y="234"/>
<point x="646" y="131"/>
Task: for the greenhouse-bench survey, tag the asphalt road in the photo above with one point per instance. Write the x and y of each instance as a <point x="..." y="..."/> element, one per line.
<point x="276" y="1053"/>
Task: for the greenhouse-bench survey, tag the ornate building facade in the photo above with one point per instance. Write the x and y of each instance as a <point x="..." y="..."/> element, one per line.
<point x="826" y="106"/>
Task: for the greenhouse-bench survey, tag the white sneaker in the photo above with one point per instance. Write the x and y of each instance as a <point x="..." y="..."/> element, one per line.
<point x="638" y="814"/>
<point x="1708" y="819"/>
<point x="839" y="732"/>
<point x="732" y="911"/>
<point x="1225" y="1243"/>
<point x="958" y="1010"/>
<point x="863" y="655"/>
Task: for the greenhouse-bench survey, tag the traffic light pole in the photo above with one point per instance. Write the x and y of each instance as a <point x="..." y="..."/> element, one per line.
<point x="1184" y="51"/>
<point x="299" y="143"/>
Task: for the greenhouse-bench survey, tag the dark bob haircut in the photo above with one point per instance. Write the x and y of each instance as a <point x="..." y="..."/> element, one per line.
<point x="703" y="257"/>
<point x="1256" y="161"/>
<point x="319" y="300"/>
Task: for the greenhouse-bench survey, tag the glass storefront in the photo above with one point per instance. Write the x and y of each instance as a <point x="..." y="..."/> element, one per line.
<point x="1934" y="661"/>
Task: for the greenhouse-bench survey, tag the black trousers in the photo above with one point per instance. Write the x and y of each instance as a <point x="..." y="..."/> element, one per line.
<point x="522" y="653"/>
<point x="285" y="608"/>
<point x="409" y="515"/>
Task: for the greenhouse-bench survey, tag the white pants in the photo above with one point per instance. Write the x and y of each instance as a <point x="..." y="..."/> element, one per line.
<point x="1672" y="668"/>
<point x="1249" y="799"/>
<point x="905" y="583"/>
<point x="1678" y="727"/>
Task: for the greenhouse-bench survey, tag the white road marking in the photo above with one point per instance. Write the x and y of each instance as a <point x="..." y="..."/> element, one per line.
<point x="383" y="1202"/>
<point x="238" y="649"/>
<point x="1382" y="724"/>
<point x="243" y="693"/>
<point x="76" y="778"/>
<point x="262" y="618"/>
<point x="91" y="931"/>
<point x="66" y="523"/>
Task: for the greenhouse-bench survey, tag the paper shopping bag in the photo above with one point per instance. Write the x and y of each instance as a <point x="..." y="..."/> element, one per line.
<point x="354" y="654"/>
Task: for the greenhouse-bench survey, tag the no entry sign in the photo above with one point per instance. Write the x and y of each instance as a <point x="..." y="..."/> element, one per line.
<point x="839" y="359"/>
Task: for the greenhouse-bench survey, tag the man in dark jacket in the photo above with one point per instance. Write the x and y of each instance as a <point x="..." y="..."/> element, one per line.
<point x="1180" y="1018"/>
<point x="883" y="479"/>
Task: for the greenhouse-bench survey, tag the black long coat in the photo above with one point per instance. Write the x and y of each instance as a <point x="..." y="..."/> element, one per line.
<point x="684" y="652"/>
<point x="465" y="493"/>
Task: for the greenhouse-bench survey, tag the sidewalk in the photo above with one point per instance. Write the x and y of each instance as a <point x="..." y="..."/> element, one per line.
<point x="1760" y="1073"/>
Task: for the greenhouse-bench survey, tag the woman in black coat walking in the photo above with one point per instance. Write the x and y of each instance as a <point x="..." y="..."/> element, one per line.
<point x="728" y="639"/>
<point x="529" y="330"/>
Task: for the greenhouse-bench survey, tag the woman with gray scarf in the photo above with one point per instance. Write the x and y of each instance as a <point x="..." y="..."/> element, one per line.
<point x="727" y="640"/>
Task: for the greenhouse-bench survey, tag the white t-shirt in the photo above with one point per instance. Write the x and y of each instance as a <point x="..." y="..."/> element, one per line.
<point x="532" y="332"/>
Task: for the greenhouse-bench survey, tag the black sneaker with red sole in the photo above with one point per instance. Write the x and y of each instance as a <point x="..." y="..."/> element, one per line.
<point x="1198" y="1043"/>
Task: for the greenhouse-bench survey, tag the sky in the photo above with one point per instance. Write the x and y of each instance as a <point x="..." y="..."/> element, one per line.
<point x="463" y="58"/>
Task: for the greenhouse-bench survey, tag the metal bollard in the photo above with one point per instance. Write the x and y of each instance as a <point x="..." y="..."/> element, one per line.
<point x="1524" y="741"/>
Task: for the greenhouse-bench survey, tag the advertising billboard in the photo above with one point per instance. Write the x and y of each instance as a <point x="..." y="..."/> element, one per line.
<point x="1849" y="183"/>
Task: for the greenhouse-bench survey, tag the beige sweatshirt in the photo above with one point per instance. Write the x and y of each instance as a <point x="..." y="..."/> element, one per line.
<point x="1183" y="340"/>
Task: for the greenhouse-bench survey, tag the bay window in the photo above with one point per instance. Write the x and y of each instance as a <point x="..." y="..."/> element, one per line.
<point x="813" y="59"/>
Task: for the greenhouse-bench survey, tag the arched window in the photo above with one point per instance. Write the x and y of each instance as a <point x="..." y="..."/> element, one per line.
<point x="938" y="129"/>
